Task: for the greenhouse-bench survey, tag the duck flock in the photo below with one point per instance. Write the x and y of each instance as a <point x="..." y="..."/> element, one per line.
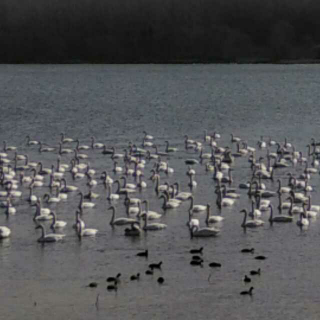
<point x="278" y="184"/>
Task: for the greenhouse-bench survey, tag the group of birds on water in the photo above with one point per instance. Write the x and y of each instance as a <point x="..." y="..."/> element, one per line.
<point x="114" y="281"/>
<point x="71" y="161"/>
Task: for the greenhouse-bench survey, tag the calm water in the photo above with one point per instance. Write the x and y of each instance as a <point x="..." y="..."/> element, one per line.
<point x="115" y="104"/>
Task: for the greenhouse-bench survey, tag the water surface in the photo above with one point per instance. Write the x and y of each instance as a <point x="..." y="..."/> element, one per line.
<point x="115" y="104"/>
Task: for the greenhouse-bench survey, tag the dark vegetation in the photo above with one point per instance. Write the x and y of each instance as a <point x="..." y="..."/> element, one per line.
<point x="171" y="31"/>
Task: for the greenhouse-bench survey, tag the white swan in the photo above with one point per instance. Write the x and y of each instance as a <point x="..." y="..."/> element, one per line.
<point x="64" y="150"/>
<point x="170" y="149"/>
<point x="192" y="183"/>
<point x="309" y="213"/>
<point x="195" y="231"/>
<point x="119" y="221"/>
<point x="283" y="205"/>
<point x="141" y="184"/>
<point x="83" y="205"/>
<point x="151" y="215"/>
<point x="280" y="218"/>
<point x="252" y="223"/>
<point x="312" y="206"/>
<point x="111" y="196"/>
<point x="67" y="188"/>
<point x="169" y="203"/>
<point x="234" y="138"/>
<point x="43" y="171"/>
<point x="303" y="221"/>
<point x="160" y="188"/>
<point x="116" y="168"/>
<point x="81" y="147"/>
<point x="147" y="136"/>
<point x="131" y="210"/>
<point x="57" y="224"/>
<point x="80" y="155"/>
<point x="115" y="155"/>
<point x="85" y="232"/>
<point x="127" y="185"/>
<point x="32" y="198"/>
<point x="183" y="196"/>
<point x="31" y="142"/>
<point x="192" y="221"/>
<point x="196" y="208"/>
<point x="52" y="237"/>
<point x="8" y="148"/>
<point x="153" y="226"/>
<point x="283" y="189"/>
<point x="106" y="178"/>
<point x="50" y="199"/>
<point x="212" y="218"/>
<point x="64" y="139"/>
<point x="45" y="149"/>
<point x="4" y="232"/>
<point x="10" y="210"/>
<point x="224" y="202"/>
<point x="96" y="145"/>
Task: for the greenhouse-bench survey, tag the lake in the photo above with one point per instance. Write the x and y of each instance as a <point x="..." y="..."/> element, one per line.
<point x="115" y="104"/>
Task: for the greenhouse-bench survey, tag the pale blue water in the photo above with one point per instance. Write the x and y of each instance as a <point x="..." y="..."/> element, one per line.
<point x="115" y="104"/>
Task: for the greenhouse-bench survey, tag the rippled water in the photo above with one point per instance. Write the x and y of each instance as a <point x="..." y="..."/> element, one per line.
<point x="115" y="104"/>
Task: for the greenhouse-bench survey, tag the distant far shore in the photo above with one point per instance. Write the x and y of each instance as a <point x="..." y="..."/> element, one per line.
<point x="195" y="61"/>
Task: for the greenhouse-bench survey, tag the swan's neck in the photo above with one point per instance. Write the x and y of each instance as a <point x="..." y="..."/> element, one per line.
<point x="113" y="215"/>
<point x="271" y="214"/>
<point x="191" y="203"/>
<point x="208" y="213"/>
<point x="244" y="219"/>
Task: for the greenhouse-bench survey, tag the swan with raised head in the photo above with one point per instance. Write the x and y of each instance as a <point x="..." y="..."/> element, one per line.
<point x="64" y="150"/>
<point x="134" y="231"/>
<point x="197" y="207"/>
<point x="50" y="199"/>
<point x="223" y="202"/>
<point x="67" y="188"/>
<point x="151" y="215"/>
<point x="64" y="139"/>
<point x="57" y="224"/>
<point x="51" y="237"/>
<point x="10" y="209"/>
<point x="85" y="205"/>
<point x="309" y="213"/>
<point x="212" y="218"/>
<point x="119" y="221"/>
<point x="280" y="218"/>
<point x="313" y="207"/>
<point x="303" y="221"/>
<point x="183" y="196"/>
<point x="31" y="142"/>
<point x="85" y="232"/>
<point x="8" y="148"/>
<point x="169" y="203"/>
<point x="170" y="149"/>
<point x="192" y="221"/>
<point x="111" y="196"/>
<point x="252" y="223"/>
<point x="81" y="147"/>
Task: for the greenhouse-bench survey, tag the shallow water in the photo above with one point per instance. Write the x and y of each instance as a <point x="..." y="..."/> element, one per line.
<point x="115" y="104"/>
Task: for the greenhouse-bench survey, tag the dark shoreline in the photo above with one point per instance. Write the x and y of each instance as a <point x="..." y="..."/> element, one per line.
<point x="240" y="61"/>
